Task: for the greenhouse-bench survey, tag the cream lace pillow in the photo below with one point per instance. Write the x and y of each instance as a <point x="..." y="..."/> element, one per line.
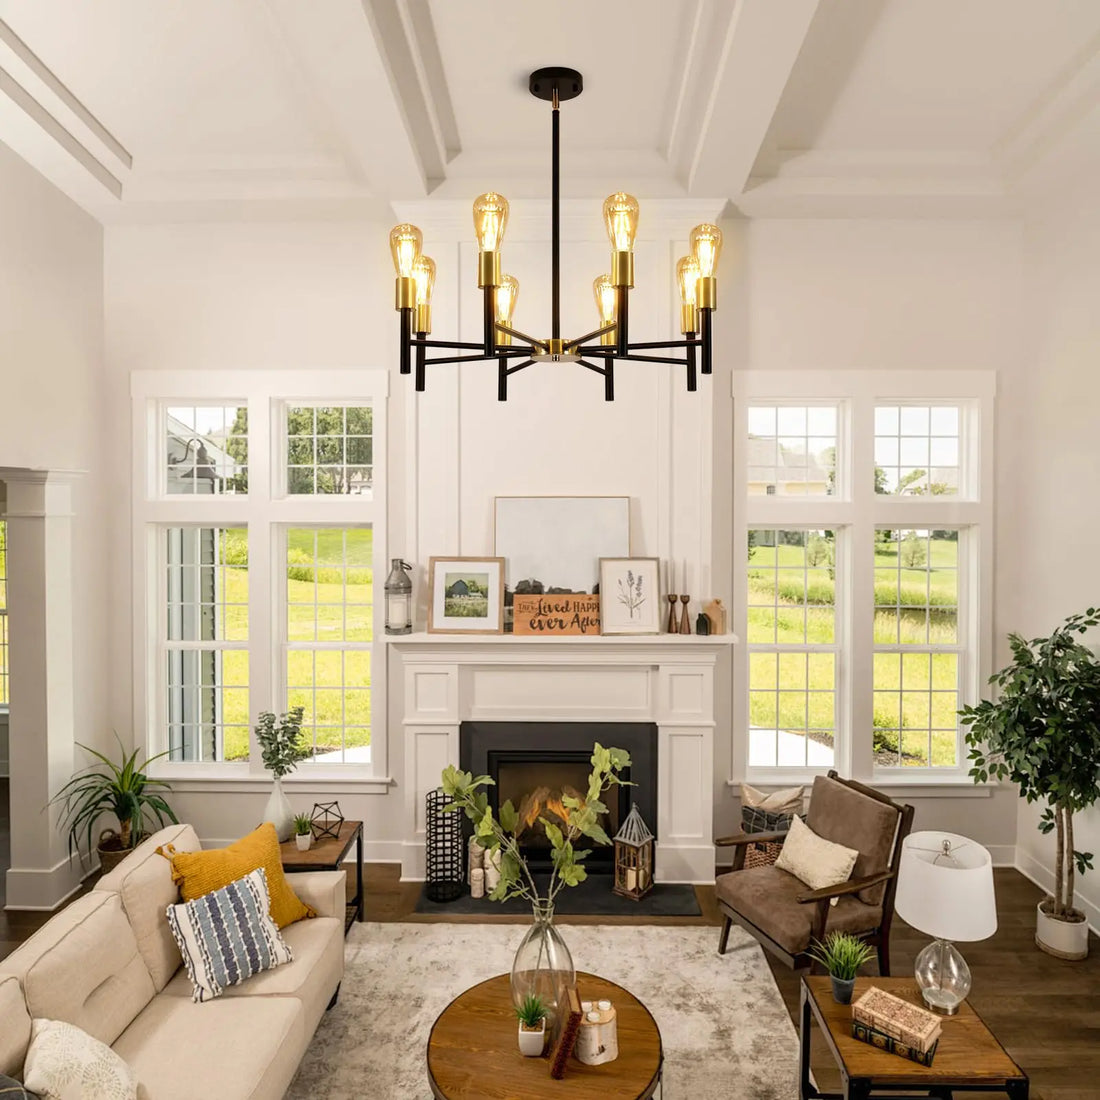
<point x="65" y="1063"/>
<point x="814" y="860"/>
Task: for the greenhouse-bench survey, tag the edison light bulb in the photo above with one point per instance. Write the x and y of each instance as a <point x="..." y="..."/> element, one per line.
<point x="706" y="246"/>
<point x="604" y="289"/>
<point x="424" y="274"/>
<point x="490" y="220"/>
<point x="507" y="293"/>
<point x="620" y="215"/>
<point x="687" y="271"/>
<point x="405" y="243"/>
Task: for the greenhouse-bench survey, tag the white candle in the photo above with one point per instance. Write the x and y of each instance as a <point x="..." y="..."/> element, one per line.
<point x="685" y="586"/>
<point x="631" y="879"/>
<point x="605" y="1006"/>
<point x="477" y="883"/>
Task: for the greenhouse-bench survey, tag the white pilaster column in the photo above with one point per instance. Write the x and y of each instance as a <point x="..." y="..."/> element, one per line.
<point x="42" y="705"/>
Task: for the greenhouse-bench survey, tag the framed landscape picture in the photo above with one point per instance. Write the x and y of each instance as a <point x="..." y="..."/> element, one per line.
<point x="630" y="596"/>
<point x="467" y="595"/>
<point x="554" y="544"/>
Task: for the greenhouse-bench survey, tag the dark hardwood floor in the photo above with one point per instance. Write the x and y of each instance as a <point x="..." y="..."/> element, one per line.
<point x="1045" y="1011"/>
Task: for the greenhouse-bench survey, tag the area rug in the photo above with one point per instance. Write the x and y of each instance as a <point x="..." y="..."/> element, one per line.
<point x="725" y="1029"/>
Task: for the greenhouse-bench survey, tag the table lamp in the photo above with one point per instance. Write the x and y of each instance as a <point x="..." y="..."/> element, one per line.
<point x="945" y="889"/>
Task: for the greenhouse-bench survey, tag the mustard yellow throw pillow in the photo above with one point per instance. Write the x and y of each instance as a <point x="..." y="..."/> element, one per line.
<point x="201" y="873"/>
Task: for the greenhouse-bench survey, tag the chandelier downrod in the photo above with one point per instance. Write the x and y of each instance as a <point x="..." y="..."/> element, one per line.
<point x="695" y="273"/>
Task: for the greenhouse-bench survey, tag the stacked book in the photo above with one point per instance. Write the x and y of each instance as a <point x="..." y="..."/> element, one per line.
<point x="892" y="1024"/>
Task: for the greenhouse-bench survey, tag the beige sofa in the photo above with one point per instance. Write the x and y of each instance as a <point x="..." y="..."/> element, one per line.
<point x="108" y="964"/>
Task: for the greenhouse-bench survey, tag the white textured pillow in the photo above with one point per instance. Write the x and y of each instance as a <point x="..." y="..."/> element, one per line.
<point x="65" y="1063"/>
<point x="814" y="860"/>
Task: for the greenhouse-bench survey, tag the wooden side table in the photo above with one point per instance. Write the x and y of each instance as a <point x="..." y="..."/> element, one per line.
<point x="327" y="854"/>
<point x="473" y="1051"/>
<point x="968" y="1059"/>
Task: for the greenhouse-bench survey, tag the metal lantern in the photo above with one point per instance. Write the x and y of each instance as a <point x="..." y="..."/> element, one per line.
<point x="443" y="844"/>
<point x="326" y="820"/>
<point x="399" y="598"/>
<point x="633" y="857"/>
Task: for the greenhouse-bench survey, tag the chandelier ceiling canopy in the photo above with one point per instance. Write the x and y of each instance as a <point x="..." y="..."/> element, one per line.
<point x="597" y="350"/>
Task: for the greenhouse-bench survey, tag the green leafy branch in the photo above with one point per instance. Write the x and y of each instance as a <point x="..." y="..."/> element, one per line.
<point x="467" y="794"/>
<point x="281" y="743"/>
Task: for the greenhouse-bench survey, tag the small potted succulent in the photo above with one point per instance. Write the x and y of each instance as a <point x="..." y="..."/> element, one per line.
<point x="842" y="955"/>
<point x="531" y="1014"/>
<point x="303" y="832"/>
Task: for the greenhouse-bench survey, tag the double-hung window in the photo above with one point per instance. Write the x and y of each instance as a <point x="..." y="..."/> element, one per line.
<point x="862" y="520"/>
<point x="259" y="513"/>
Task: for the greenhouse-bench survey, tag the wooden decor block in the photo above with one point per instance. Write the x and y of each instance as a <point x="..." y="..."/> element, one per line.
<point x="558" y="615"/>
<point x="716" y="612"/>
<point x="567" y="1038"/>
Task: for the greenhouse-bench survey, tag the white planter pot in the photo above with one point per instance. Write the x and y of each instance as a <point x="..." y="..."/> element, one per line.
<point x="304" y="842"/>
<point x="278" y="811"/>
<point x="1063" y="939"/>
<point x="532" y="1042"/>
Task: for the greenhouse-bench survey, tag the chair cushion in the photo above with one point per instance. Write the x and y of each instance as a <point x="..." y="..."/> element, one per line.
<point x="144" y="882"/>
<point x="199" y="873"/>
<point x="814" y="860"/>
<point x="15" y="1025"/>
<point x="768" y="898"/>
<point x="858" y="821"/>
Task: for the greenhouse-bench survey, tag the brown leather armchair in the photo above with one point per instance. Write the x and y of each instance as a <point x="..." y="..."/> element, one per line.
<point x="784" y="914"/>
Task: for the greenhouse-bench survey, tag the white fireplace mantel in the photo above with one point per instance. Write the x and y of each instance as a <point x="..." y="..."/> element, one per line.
<point x="664" y="679"/>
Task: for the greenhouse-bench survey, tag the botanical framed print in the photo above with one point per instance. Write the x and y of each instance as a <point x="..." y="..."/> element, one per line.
<point x="630" y="596"/>
<point x="467" y="595"/>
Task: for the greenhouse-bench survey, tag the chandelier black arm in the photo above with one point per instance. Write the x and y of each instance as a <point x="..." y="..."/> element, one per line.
<point x="590" y="336"/>
<point x="459" y="359"/>
<point x="608" y="372"/>
<point x="514" y="332"/>
<point x="420" y="342"/>
<point x="612" y="353"/>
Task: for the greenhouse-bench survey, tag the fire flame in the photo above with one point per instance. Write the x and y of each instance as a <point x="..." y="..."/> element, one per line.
<point x="542" y="802"/>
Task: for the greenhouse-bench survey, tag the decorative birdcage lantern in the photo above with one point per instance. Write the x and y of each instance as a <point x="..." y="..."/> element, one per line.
<point x="633" y="857"/>
<point x="326" y="819"/>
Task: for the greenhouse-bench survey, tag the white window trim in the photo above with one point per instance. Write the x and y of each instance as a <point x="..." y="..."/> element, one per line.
<point x="857" y="505"/>
<point x="266" y="394"/>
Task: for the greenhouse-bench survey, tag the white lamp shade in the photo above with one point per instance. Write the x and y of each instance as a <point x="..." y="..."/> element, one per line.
<point x="946" y="895"/>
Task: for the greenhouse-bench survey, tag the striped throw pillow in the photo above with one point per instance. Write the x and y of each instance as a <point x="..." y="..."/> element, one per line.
<point x="227" y="936"/>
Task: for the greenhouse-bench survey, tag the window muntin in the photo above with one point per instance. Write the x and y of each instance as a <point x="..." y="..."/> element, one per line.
<point x="205" y="449"/>
<point x="791" y="450"/>
<point x="918" y="450"/>
<point x="328" y="631"/>
<point x="916" y="586"/>
<point x="205" y="642"/>
<point x="791" y="636"/>
<point x="3" y="615"/>
<point x="330" y="450"/>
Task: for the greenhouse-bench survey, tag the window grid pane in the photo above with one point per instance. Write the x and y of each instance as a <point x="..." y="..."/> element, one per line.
<point x="329" y="627"/>
<point x="792" y="450"/>
<point x="206" y="449"/>
<point x="330" y="450"/>
<point x="917" y="450"/>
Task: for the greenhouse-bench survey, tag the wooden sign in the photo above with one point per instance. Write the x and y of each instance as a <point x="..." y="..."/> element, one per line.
<point x="556" y="615"/>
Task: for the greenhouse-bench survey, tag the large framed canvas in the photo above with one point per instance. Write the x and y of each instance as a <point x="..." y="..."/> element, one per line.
<point x="558" y="541"/>
<point x="630" y="596"/>
<point x="467" y="595"/>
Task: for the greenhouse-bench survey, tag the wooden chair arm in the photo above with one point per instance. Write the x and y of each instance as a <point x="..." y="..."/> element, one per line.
<point x="852" y="886"/>
<point x="747" y="838"/>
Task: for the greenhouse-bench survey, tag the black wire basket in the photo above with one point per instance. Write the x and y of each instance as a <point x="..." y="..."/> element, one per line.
<point x="443" y="842"/>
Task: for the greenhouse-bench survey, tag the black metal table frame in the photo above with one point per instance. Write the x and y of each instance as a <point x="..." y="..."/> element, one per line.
<point x="353" y="910"/>
<point x="864" y="1088"/>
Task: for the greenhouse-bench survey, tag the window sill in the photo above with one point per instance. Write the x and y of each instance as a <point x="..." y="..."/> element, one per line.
<point x="901" y="786"/>
<point x="236" y="779"/>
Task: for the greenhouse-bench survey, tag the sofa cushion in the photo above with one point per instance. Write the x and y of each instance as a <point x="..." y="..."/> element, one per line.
<point x="768" y="898"/>
<point x="144" y="882"/>
<point x="83" y="967"/>
<point x="15" y="1025"/>
<point x="66" y="1063"/>
<point x="849" y="817"/>
<point x="180" y="1050"/>
<point x="199" y="873"/>
<point x="227" y="936"/>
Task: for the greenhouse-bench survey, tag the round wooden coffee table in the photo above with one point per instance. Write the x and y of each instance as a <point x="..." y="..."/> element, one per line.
<point x="473" y="1051"/>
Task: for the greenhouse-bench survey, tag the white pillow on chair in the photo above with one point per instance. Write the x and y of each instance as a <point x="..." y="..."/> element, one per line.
<point x="814" y="860"/>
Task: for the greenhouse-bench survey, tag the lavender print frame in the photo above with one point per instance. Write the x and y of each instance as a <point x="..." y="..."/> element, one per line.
<point x="630" y="596"/>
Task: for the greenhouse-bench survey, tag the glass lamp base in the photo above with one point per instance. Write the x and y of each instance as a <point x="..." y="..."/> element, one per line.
<point x="942" y="977"/>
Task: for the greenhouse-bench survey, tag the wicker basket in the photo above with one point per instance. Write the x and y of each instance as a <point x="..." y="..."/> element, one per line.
<point x="754" y="820"/>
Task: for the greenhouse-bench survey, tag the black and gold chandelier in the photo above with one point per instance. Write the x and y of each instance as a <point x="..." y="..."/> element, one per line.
<point x="514" y="350"/>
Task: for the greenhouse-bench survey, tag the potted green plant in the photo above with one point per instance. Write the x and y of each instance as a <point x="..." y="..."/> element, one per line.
<point x="532" y="1026"/>
<point x="282" y="748"/>
<point x="123" y="790"/>
<point x="1043" y="734"/>
<point x="842" y="954"/>
<point x="542" y="966"/>
<point x="303" y="832"/>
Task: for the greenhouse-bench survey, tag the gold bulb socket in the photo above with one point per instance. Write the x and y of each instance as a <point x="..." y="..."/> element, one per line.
<point x="622" y="269"/>
<point x="404" y="292"/>
<point x="706" y="292"/>
<point x="423" y="317"/>
<point x="687" y="319"/>
<point x="488" y="269"/>
<point x="504" y="338"/>
<point x="607" y="339"/>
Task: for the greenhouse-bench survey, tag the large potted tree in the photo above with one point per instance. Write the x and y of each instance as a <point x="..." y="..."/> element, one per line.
<point x="1043" y="733"/>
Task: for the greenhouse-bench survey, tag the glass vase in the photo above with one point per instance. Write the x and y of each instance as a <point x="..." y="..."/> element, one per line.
<point x="543" y="967"/>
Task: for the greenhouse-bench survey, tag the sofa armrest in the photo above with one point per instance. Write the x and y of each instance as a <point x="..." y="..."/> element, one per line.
<point x="326" y="891"/>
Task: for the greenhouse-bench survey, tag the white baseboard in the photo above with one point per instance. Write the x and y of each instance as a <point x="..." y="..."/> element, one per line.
<point x="1004" y="855"/>
<point x="43" y="889"/>
<point x="1043" y="877"/>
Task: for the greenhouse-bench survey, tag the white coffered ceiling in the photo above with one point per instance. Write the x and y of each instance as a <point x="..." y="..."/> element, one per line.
<point x="170" y="109"/>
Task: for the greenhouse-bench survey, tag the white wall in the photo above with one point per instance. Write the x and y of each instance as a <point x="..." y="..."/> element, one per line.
<point x="53" y="413"/>
<point x="1058" y="473"/>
